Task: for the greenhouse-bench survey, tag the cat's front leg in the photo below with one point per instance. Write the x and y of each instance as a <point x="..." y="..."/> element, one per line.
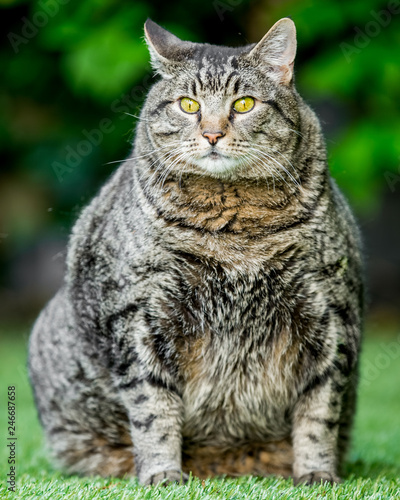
<point x="315" y="434"/>
<point x="155" y="414"/>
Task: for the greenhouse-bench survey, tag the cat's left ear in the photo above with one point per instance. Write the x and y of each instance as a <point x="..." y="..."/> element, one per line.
<point x="277" y="50"/>
<point x="167" y="51"/>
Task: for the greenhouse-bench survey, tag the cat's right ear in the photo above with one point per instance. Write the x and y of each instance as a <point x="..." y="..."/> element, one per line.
<point x="167" y="51"/>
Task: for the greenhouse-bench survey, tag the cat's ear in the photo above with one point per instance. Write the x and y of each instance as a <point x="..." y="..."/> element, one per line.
<point x="277" y="51"/>
<point x="167" y="51"/>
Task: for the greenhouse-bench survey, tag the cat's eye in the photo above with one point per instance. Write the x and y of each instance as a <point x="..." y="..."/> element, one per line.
<point x="244" y="104"/>
<point x="189" y="105"/>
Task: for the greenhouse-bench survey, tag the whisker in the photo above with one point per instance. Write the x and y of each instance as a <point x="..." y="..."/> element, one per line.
<point x="276" y="170"/>
<point x="131" y="158"/>
<point x="266" y="155"/>
<point x="162" y="164"/>
<point x="257" y="159"/>
<point x="179" y="152"/>
<point x="290" y="163"/>
<point x="177" y="160"/>
<point x="291" y="130"/>
<point x="285" y="170"/>
<point x="139" y="117"/>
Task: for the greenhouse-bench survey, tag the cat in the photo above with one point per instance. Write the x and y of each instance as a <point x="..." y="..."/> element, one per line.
<point x="211" y="313"/>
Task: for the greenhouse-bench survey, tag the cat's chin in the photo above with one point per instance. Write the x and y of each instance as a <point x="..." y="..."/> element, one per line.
<point x="217" y="165"/>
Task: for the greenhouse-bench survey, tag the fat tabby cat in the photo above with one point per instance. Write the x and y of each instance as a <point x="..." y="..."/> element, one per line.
<point x="211" y="312"/>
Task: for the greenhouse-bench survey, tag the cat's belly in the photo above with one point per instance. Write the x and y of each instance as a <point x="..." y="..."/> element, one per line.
<point x="232" y="398"/>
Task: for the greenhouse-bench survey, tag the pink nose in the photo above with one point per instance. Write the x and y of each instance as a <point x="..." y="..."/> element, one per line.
<point x="213" y="136"/>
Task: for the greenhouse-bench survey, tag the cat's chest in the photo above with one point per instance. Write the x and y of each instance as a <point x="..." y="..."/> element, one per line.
<point x="212" y="205"/>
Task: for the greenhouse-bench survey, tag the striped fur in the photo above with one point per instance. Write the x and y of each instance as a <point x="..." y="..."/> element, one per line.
<point x="211" y="313"/>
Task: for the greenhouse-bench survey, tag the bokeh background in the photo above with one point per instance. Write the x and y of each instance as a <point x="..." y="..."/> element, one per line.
<point x="73" y="73"/>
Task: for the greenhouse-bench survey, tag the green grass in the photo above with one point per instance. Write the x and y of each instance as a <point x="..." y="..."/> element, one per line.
<point x="373" y="469"/>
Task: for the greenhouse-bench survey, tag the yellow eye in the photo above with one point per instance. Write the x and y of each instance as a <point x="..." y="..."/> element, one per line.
<point x="244" y="104"/>
<point x="189" y="105"/>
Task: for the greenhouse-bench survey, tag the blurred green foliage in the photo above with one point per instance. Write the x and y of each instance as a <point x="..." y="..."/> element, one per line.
<point x="88" y="62"/>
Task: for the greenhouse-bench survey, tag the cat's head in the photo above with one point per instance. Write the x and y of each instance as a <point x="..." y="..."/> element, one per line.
<point x="222" y="111"/>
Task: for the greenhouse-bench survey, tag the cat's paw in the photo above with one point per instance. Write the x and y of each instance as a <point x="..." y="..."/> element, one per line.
<point x="317" y="477"/>
<point x="166" y="477"/>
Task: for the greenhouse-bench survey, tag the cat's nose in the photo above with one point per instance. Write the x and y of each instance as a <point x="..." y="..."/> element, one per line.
<point x="213" y="136"/>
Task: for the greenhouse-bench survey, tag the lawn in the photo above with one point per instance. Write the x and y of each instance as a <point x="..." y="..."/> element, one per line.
<point x="373" y="468"/>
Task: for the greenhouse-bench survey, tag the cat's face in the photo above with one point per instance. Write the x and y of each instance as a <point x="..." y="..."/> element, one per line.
<point x="222" y="111"/>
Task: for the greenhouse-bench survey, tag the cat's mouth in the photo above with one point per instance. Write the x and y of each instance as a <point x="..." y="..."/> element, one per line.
<point x="214" y="153"/>
<point x="215" y="162"/>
